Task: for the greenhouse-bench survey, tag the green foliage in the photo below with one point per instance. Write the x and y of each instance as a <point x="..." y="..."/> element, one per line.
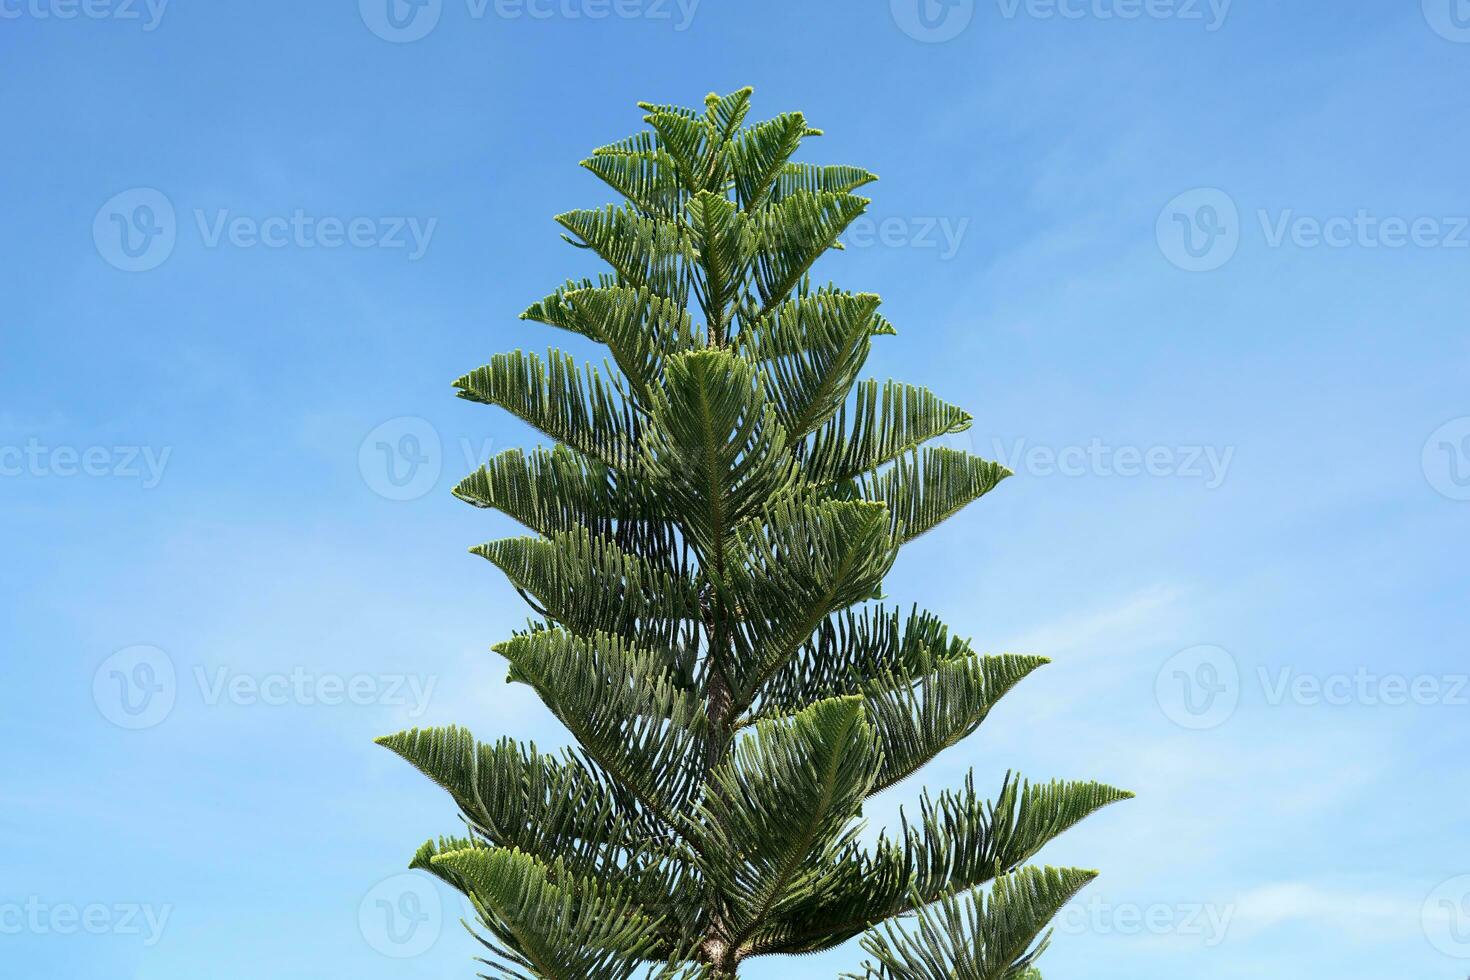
<point x="709" y="533"/>
<point x="972" y="937"/>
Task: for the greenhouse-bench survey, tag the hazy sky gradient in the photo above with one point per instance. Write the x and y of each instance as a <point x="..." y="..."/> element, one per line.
<point x="1240" y="486"/>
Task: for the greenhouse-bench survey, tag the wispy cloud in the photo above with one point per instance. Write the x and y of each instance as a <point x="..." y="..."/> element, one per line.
<point x="1137" y="617"/>
<point x="1347" y="913"/>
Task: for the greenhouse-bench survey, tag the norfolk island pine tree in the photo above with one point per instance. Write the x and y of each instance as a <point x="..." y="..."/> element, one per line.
<point x="710" y="533"/>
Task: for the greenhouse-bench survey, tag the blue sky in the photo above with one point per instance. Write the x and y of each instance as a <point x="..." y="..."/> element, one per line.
<point x="1198" y="270"/>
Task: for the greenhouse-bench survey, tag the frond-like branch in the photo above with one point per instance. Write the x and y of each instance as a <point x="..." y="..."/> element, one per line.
<point x="916" y="718"/>
<point x="856" y="649"/>
<point x="886" y="421"/>
<point x="590" y="585"/>
<point x="927" y="487"/>
<point x="627" y="711"/>
<point x="645" y="251"/>
<point x="568" y="404"/>
<point x="792" y="234"/>
<point x="514" y="796"/>
<point x="810" y="350"/>
<point x="715" y="451"/>
<point x="960" y="841"/>
<point x="802" y="561"/>
<point x="643" y="173"/>
<point x="782" y="805"/>
<point x="975" y="937"/>
<point x="544" y="922"/>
